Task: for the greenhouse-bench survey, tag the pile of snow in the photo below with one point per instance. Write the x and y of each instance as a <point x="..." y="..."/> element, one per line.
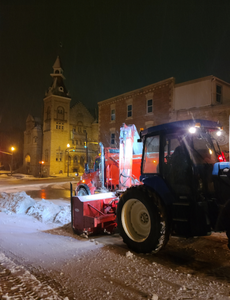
<point x="16" y="202"/>
<point x="45" y="211"/>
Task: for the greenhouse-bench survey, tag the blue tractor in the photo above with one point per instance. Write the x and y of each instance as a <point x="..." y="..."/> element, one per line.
<point x="185" y="190"/>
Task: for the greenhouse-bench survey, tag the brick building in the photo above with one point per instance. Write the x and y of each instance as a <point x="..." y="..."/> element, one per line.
<point x="144" y="107"/>
<point x="165" y="101"/>
<point x="60" y="140"/>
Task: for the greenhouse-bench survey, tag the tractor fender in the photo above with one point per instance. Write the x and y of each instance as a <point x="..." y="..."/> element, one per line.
<point x="85" y="186"/>
<point x="158" y="184"/>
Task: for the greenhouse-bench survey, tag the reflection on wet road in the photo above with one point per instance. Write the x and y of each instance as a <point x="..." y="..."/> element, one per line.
<point x="49" y="193"/>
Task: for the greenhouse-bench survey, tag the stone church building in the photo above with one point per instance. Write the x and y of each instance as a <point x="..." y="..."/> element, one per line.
<point x="65" y="139"/>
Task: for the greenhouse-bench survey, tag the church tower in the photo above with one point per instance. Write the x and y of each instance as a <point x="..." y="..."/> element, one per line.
<point x="56" y="115"/>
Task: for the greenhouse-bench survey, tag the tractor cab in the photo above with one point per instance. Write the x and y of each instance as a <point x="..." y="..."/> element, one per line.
<point x="184" y="154"/>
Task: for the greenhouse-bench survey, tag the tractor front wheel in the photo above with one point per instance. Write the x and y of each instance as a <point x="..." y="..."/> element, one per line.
<point x="142" y="220"/>
<point x="82" y="192"/>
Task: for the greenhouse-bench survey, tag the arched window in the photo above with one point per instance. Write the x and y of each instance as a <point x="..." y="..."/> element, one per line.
<point x="60" y="113"/>
<point x="82" y="159"/>
<point x="80" y="127"/>
<point x="48" y="113"/>
<point x="75" y="159"/>
<point x="27" y="159"/>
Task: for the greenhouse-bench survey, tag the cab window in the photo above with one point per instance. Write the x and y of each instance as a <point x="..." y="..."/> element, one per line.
<point x="97" y="163"/>
<point x="151" y="155"/>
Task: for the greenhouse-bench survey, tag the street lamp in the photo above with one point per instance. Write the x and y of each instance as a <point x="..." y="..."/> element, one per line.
<point x="12" y="151"/>
<point x="68" y="145"/>
<point x="41" y="164"/>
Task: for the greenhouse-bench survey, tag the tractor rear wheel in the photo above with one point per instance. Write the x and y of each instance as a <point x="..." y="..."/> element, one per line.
<point x="142" y="220"/>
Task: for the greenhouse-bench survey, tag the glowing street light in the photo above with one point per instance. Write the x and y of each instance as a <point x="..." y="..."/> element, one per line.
<point x="12" y="151"/>
<point x="41" y="164"/>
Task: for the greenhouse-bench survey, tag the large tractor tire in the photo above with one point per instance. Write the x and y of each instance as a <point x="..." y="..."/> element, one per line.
<point x="142" y="220"/>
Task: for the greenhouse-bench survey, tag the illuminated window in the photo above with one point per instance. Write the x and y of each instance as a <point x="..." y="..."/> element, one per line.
<point x="112" y="114"/>
<point x="149" y="106"/>
<point x="27" y="159"/>
<point x="151" y="155"/>
<point x="59" y="156"/>
<point x="59" y="125"/>
<point x="218" y="93"/>
<point x="112" y="139"/>
<point x="129" y="110"/>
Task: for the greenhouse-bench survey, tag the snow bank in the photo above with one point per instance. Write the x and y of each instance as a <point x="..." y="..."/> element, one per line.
<point x="63" y="216"/>
<point x="45" y="211"/>
<point x="16" y="202"/>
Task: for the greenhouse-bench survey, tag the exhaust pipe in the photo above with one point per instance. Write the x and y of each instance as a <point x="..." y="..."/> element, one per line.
<point x="102" y="166"/>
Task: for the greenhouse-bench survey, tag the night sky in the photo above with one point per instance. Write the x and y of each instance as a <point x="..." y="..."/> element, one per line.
<point x="108" y="48"/>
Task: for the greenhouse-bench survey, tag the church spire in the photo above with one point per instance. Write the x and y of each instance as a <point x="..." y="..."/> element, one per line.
<point x="58" y="88"/>
<point x="58" y="66"/>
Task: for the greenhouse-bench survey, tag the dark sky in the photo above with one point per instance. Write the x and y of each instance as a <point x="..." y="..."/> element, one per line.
<point x="108" y="47"/>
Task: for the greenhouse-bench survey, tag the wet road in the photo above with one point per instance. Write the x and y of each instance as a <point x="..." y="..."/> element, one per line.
<point x="37" y="181"/>
<point x="56" y="188"/>
<point x="49" y="193"/>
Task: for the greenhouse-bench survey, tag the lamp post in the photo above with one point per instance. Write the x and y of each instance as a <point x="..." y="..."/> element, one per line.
<point x="41" y="163"/>
<point x="68" y="145"/>
<point x="12" y="151"/>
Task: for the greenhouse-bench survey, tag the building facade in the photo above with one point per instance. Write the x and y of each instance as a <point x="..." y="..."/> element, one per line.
<point x="32" y="150"/>
<point x="68" y="136"/>
<point x="163" y="102"/>
<point x="144" y="107"/>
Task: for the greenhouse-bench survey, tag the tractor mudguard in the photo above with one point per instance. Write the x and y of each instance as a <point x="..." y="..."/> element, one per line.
<point x="85" y="186"/>
<point x="157" y="183"/>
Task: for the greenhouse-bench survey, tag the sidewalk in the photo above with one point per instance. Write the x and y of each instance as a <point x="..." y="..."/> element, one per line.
<point x="6" y="175"/>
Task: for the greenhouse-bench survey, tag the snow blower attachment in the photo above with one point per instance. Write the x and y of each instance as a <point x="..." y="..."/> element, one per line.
<point x="94" y="213"/>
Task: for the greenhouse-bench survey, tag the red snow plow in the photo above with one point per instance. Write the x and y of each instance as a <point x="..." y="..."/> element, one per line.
<point x="97" y="194"/>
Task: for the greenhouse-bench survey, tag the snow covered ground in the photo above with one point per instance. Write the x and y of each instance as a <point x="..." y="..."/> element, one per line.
<point x="41" y="258"/>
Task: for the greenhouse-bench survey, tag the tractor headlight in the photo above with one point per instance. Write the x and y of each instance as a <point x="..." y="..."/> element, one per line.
<point x="218" y="133"/>
<point x="192" y="129"/>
